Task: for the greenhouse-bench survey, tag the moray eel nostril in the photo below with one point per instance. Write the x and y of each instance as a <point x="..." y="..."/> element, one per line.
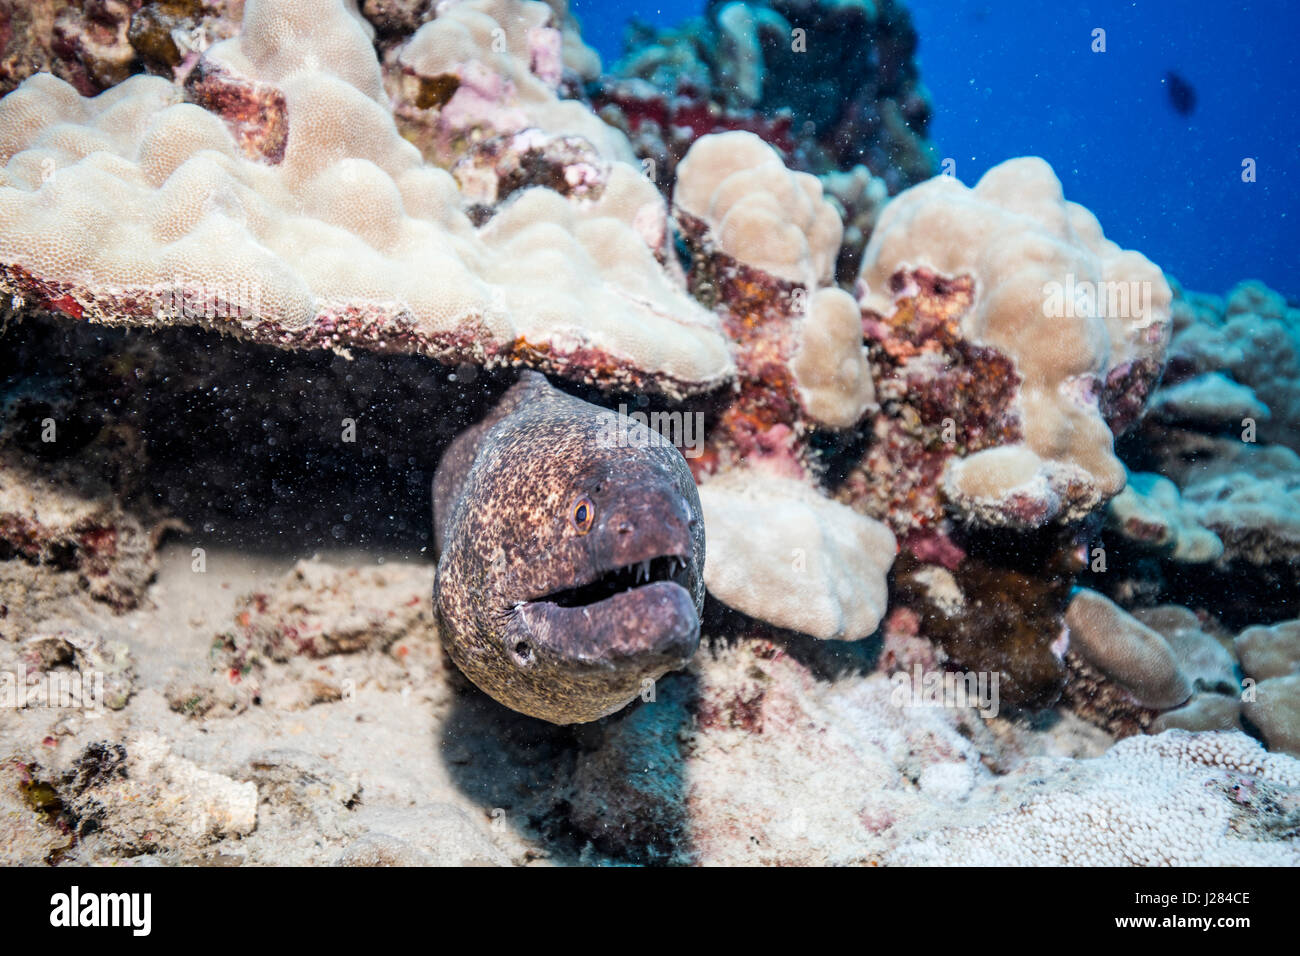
<point x="569" y="562"/>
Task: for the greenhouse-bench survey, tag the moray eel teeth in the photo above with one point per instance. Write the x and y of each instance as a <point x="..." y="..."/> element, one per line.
<point x="570" y="566"/>
<point x="667" y="567"/>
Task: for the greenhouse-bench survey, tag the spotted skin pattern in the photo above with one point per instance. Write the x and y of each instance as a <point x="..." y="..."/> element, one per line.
<point x="562" y="612"/>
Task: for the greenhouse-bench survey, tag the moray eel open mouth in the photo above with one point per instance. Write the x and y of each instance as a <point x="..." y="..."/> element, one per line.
<point x="571" y="555"/>
<point x="629" y="577"/>
<point x="628" y="624"/>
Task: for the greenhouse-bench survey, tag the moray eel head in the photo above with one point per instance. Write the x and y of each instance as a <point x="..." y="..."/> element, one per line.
<point x="570" y="572"/>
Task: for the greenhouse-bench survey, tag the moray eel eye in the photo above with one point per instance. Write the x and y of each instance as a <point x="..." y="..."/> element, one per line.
<point x="582" y="515"/>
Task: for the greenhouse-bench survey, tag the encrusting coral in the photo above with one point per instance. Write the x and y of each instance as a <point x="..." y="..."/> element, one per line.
<point x="122" y="207"/>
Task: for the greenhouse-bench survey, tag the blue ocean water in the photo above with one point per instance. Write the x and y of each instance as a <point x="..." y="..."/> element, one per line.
<point x="1015" y="78"/>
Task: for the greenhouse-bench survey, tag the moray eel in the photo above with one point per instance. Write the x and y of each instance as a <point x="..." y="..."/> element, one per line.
<point x="570" y="563"/>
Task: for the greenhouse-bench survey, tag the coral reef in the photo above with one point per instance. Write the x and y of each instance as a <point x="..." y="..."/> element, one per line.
<point x="1202" y="713"/>
<point x="485" y="68"/>
<point x="1150" y="513"/>
<point x="1203" y="652"/>
<point x="735" y="758"/>
<point x="756" y="211"/>
<point x="1243" y="492"/>
<point x="1222" y="428"/>
<point x="1235" y="357"/>
<point x="763" y="243"/>
<point x="1269" y="651"/>
<point x="96" y="44"/>
<point x="992" y="452"/>
<point x="263" y="262"/>
<point x="1125" y="672"/>
<point x="994" y="605"/>
<point x="1270" y="658"/>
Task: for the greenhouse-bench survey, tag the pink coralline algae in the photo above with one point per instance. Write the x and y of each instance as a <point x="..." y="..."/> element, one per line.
<point x="941" y="396"/>
<point x="663" y="125"/>
<point x="758" y="315"/>
<point x="255" y="112"/>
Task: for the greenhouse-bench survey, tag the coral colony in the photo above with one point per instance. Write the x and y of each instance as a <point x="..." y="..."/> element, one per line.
<point x="1003" y="524"/>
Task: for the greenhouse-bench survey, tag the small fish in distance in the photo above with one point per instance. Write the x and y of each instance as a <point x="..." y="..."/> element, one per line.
<point x="1182" y="95"/>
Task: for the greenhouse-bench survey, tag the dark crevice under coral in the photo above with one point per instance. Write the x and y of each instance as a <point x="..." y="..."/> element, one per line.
<point x="248" y="443"/>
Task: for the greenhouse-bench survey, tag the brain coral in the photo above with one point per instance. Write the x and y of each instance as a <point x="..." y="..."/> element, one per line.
<point x="137" y="207"/>
<point x="1084" y="322"/>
